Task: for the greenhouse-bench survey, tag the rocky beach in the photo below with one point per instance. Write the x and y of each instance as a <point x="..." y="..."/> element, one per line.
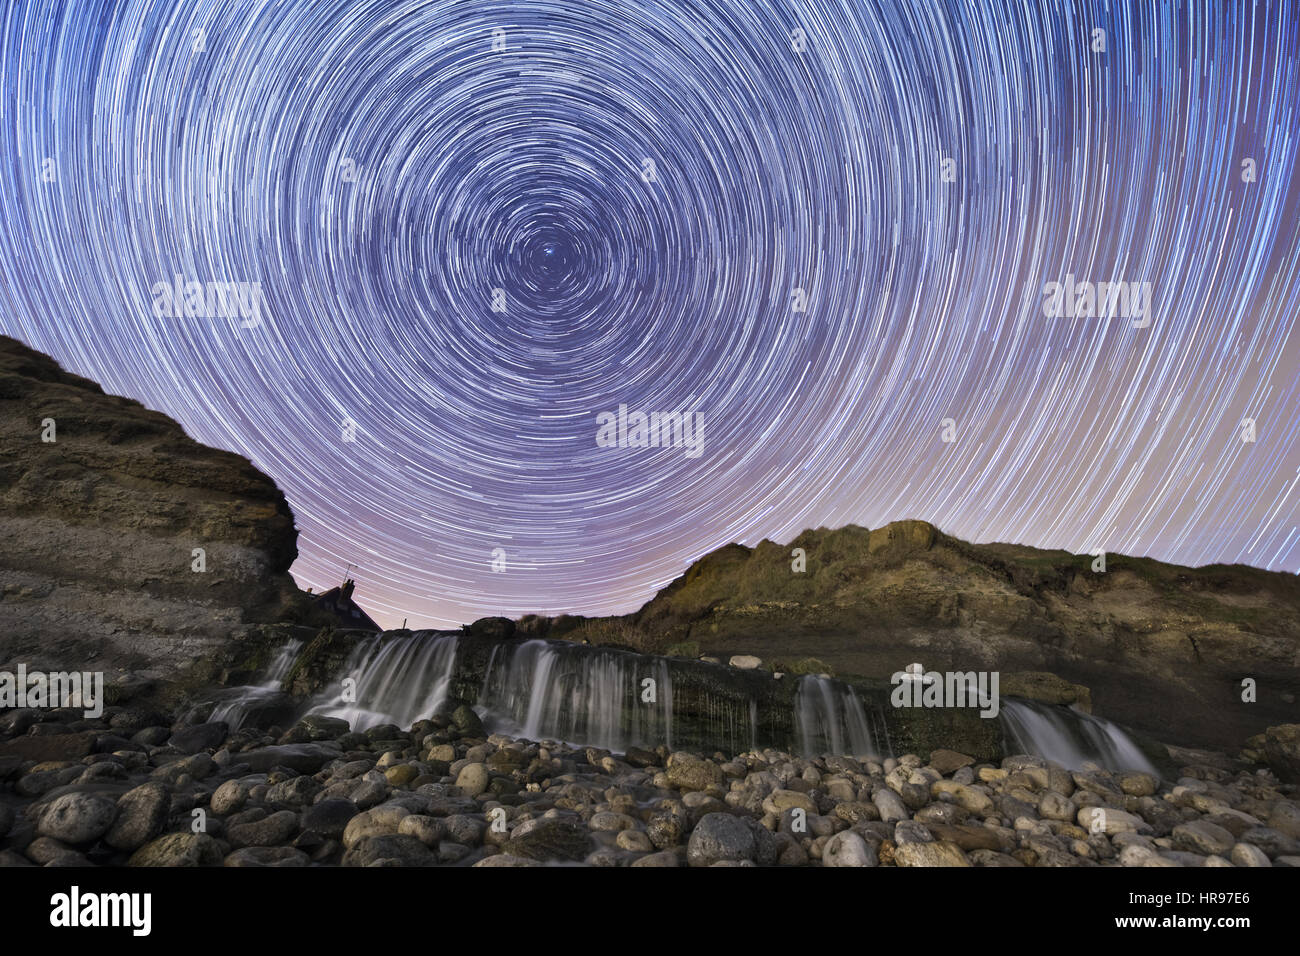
<point x="127" y="789"/>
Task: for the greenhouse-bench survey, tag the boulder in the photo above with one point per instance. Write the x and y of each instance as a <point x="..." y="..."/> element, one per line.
<point x="467" y="722"/>
<point x="329" y="818"/>
<point x="142" y="815"/>
<point x="1110" y="821"/>
<point x="76" y="818"/>
<point x="191" y="740"/>
<point x="506" y="860"/>
<point x="890" y="805"/>
<point x="938" y="853"/>
<point x="848" y="849"/>
<point x="473" y="779"/>
<point x="271" y="830"/>
<point x="965" y="837"/>
<point x="304" y="758"/>
<point x="179" y="849"/>
<point x="1203" y="837"/>
<point x="948" y="762"/>
<point x="688" y="772"/>
<point x="267" y="856"/>
<point x="393" y="849"/>
<point x="549" y="839"/>
<point x="720" y="837"/>
<point x="321" y="727"/>
<point x="54" y="747"/>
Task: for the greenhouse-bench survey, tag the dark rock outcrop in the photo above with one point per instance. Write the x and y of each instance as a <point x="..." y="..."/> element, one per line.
<point x="1161" y="648"/>
<point x="101" y="524"/>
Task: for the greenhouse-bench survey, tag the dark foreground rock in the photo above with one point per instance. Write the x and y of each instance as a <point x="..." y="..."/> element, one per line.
<point x="446" y="795"/>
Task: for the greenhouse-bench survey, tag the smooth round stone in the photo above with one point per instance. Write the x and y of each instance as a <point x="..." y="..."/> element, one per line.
<point x="75" y="818"/>
<point x="267" y="856"/>
<point x="848" y="849"/>
<point x="634" y="840"/>
<point x="142" y="814"/>
<point x="612" y="822"/>
<point x="473" y="779"/>
<point x="719" y="838"/>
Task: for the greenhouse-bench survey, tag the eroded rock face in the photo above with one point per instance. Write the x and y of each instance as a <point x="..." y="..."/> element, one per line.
<point x="101" y="525"/>
<point x="1157" y="647"/>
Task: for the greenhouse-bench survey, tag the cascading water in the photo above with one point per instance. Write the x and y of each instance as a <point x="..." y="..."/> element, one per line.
<point x="830" y="718"/>
<point x="398" y="680"/>
<point x="1069" y="737"/>
<point x="616" y="699"/>
<point x="576" y="694"/>
<point x="236" y="704"/>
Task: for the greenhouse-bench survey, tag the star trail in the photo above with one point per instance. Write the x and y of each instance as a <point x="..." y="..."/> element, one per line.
<point x="822" y="228"/>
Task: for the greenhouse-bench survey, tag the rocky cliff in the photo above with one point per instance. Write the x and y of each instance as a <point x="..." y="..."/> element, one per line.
<point x="1162" y="648"/>
<point x="103" y="504"/>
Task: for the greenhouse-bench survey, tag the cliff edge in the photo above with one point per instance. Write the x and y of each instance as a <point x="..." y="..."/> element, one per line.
<point x="125" y="546"/>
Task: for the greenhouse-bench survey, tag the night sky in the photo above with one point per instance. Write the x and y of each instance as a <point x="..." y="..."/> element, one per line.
<point x="823" y="228"/>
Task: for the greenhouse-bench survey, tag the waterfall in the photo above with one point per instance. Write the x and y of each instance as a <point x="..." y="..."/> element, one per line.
<point x="1069" y="737"/>
<point x="398" y="680"/>
<point x="579" y="695"/>
<point x="236" y="704"/>
<point x="615" y="699"/>
<point x="829" y="718"/>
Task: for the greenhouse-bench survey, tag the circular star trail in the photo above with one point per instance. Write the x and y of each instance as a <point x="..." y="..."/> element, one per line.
<point x="822" y="228"/>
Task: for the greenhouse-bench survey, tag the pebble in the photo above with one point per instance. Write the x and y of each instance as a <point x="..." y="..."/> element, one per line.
<point x="848" y="849"/>
<point x="453" y="796"/>
<point x="76" y="818"/>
